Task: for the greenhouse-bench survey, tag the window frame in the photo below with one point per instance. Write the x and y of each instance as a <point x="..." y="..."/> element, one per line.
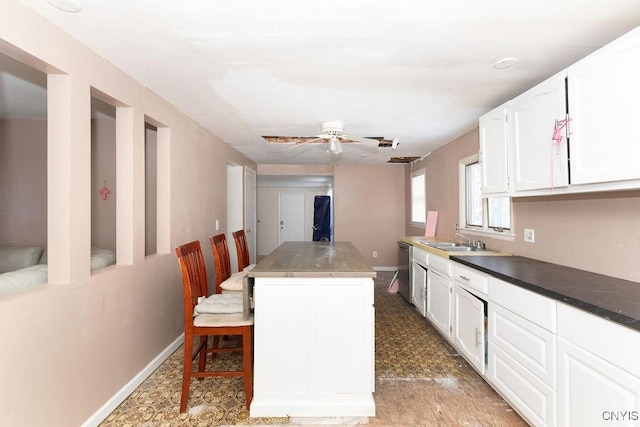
<point x="484" y="230"/>
<point x="420" y="172"/>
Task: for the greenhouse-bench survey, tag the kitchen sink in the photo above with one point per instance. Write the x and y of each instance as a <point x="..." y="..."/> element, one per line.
<point x="452" y="247"/>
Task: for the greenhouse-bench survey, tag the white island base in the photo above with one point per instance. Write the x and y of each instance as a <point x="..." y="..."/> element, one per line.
<point x="314" y="346"/>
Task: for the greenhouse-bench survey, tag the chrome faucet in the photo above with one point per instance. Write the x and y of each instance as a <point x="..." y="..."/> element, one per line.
<point x="470" y="242"/>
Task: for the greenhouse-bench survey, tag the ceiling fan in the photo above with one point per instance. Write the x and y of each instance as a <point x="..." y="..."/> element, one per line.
<point x="332" y="134"/>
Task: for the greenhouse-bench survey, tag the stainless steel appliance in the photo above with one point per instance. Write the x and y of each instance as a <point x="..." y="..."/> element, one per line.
<point x="404" y="269"/>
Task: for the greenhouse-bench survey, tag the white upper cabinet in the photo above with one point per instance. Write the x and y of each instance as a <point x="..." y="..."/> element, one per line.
<point x="494" y="159"/>
<point x="537" y="160"/>
<point x="604" y="89"/>
<point x="598" y="150"/>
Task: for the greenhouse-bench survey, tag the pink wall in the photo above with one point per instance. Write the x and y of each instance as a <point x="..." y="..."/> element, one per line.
<point x="23" y="182"/>
<point x="96" y="332"/>
<point x="370" y="209"/>
<point x="598" y="232"/>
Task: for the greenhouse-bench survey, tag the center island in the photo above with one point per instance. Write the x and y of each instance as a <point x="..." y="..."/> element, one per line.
<point x="314" y="332"/>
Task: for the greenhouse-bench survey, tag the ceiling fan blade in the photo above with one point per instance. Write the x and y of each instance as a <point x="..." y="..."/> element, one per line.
<point x="360" y="140"/>
<point x="298" y="144"/>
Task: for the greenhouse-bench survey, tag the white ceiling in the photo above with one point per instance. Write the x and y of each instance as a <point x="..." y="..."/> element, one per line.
<point x="418" y="70"/>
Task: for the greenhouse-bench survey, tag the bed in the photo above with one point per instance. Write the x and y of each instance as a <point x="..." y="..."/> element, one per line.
<point x="23" y="267"/>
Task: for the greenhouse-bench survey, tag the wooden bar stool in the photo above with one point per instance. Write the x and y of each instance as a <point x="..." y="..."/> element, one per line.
<point x="204" y="325"/>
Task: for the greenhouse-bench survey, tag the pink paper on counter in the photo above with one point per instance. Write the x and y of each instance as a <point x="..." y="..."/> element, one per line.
<point x="432" y="220"/>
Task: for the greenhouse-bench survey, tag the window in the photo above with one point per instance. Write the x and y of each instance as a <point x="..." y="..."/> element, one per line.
<point x="418" y="197"/>
<point x="490" y="215"/>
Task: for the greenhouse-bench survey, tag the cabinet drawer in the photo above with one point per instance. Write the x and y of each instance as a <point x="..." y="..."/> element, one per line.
<point x="530" y="345"/>
<point x="472" y="278"/>
<point x="529" y="395"/>
<point x="533" y="307"/>
<point x="440" y="264"/>
<point x="420" y="256"/>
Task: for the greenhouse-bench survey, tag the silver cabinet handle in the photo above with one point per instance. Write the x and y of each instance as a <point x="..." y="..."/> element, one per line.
<point x="478" y="337"/>
<point x="465" y="278"/>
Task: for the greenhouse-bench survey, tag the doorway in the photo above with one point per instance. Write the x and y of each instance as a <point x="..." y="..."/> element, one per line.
<point x="291" y="218"/>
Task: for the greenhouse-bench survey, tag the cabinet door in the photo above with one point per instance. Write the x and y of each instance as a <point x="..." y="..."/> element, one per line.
<point x="469" y="327"/>
<point x="604" y="89"/>
<point x="439" y="302"/>
<point x="593" y="392"/>
<point x="419" y="288"/>
<point x="526" y="392"/>
<point x="537" y="162"/>
<point x="493" y="151"/>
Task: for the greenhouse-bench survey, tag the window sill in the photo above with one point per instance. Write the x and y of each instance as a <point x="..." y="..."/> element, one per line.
<point x="505" y="235"/>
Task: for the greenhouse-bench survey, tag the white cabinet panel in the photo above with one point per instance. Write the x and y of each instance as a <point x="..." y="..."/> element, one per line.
<point x="537" y="162"/>
<point x="419" y="288"/>
<point x="536" y="308"/>
<point x="493" y="151"/>
<point x="439" y="302"/>
<point x="531" y="346"/>
<point x="604" y="89"/>
<point x="593" y="392"/>
<point x="329" y="371"/>
<point x="469" y="327"/>
<point x="530" y="396"/>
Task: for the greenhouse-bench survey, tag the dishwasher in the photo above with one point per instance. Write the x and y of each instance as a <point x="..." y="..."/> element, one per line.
<point x="404" y="270"/>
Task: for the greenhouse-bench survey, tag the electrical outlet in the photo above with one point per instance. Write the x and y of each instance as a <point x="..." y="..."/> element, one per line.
<point x="529" y="235"/>
<point x="375" y="254"/>
<point x="217" y="224"/>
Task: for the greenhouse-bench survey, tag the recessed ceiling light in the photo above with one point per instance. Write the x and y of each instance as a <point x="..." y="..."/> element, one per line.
<point x="505" y="63"/>
<point x="66" y="5"/>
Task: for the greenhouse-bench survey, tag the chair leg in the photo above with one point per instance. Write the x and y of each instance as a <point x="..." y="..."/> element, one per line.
<point x="186" y="371"/>
<point x="202" y="354"/>
<point x="247" y="364"/>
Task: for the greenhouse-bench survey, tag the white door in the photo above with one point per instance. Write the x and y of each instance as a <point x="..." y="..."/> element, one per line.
<point x="493" y="151"/>
<point x="439" y="302"/>
<point x="469" y="327"/>
<point x="250" y="211"/>
<point x="291" y="218"/>
<point x="537" y="162"/>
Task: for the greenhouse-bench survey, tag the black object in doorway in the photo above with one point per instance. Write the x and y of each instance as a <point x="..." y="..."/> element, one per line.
<point x="322" y="219"/>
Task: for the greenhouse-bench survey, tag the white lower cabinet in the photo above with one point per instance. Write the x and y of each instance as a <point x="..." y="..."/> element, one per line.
<point x="522" y="365"/>
<point x="419" y="288"/>
<point x="598" y="382"/>
<point x="439" y="302"/>
<point x="469" y="327"/>
<point x="522" y="351"/>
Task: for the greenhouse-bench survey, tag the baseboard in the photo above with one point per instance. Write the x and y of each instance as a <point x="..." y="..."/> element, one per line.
<point x="135" y="382"/>
<point x="376" y="268"/>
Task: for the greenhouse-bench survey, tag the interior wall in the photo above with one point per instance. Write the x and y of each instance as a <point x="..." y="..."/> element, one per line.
<point x="598" y="232"/>
<point x="101" y="329"/>
<point x="151" y="190"/>
<point x="103" y="172"/>
<point x="370" y="210"/>
<point x="23" y="182"/>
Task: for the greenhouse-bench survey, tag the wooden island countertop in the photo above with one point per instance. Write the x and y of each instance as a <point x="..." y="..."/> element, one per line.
<point x="313" y="259"/>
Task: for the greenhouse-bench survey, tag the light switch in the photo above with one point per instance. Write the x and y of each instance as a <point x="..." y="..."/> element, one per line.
<point x="217" y="224"/>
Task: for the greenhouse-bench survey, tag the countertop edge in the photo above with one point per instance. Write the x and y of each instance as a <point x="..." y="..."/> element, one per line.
<point x="599" y="311"/>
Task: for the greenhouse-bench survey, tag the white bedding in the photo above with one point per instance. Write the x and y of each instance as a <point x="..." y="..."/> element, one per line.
<point x="24" y="278"/>
<point x="18" y="280"/>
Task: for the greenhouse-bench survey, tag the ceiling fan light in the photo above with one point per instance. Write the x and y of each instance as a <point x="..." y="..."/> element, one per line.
<point x="394" y="143"/>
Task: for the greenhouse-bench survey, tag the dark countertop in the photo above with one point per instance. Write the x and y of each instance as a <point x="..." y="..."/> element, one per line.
<point x="313" y="259"/>
<point x="614" y="299"/>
